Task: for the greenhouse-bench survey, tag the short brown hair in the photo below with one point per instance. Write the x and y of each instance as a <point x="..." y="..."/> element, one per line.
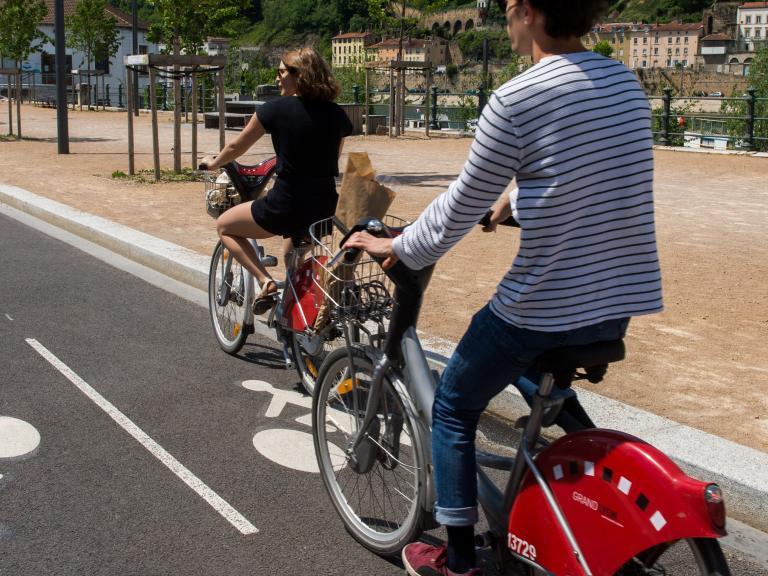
<point x="313" y="75"/>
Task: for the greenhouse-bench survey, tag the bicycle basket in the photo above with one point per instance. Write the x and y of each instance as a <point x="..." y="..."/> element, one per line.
<point x="359" y="290"/>
<point x="220" y="194"/>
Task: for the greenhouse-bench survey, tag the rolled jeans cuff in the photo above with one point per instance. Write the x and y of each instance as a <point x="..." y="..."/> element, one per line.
<point x="456" y="516"/>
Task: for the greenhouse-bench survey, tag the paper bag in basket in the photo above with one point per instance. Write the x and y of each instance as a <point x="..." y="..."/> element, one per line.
<point x="360" y="197"/>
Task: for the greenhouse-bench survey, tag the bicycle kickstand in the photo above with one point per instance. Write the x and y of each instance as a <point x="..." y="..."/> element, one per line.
<point x="287" y="356"/>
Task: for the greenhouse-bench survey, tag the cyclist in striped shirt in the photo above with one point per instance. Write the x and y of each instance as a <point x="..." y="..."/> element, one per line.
<point x="574" y="132"/>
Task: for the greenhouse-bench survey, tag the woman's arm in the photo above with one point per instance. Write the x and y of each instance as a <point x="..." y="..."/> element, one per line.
<point x="239" y="146"/>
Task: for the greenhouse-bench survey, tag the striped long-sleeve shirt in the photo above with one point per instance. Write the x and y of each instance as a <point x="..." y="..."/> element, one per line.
<point x="574" y="130"/>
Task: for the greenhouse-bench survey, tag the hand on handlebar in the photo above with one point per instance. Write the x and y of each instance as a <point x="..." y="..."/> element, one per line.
<point x="206" y="163"/>
<point x="376" y="247"/>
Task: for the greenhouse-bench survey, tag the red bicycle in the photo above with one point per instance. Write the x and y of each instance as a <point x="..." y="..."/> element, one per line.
<point x="594" y="502"/>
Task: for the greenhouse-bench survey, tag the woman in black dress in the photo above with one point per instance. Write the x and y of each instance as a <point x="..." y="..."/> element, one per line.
<point x="308" y="132"/>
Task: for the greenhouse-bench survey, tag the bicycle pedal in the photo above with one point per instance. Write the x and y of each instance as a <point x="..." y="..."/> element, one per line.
<point x="269" y="261"/>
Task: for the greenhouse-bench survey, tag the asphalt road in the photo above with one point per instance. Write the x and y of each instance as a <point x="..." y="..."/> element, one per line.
<point x="149" y="461"/>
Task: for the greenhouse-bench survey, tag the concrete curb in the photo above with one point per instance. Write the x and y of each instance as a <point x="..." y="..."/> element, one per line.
<point x="741" y="471"/>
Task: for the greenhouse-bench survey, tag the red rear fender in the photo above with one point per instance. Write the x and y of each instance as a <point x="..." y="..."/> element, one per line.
<point x="620" y="496"/>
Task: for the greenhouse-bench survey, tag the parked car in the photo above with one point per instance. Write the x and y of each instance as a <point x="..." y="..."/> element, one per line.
<point x="716" y="94"/>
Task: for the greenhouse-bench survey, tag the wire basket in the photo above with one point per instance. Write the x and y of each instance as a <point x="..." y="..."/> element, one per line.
<point x="359" y="290"/>
<point x="220" y="194"/>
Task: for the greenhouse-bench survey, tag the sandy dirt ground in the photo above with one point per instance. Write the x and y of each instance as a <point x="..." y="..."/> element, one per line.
<point x="702" y="362"/>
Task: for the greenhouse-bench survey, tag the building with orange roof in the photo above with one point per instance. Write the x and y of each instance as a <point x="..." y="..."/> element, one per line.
<point x="752" y="20"/>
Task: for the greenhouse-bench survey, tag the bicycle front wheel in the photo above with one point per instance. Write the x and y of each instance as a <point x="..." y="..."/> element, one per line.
<point x="379" y="498"/>
<point x="227" y="300"/>
<point x="701" y="556"/>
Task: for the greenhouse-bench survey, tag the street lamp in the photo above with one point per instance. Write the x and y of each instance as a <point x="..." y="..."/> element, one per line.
<point x="482" y="12"/>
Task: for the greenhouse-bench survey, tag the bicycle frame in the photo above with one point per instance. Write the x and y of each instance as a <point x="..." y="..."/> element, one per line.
<point x="585" y="504"/>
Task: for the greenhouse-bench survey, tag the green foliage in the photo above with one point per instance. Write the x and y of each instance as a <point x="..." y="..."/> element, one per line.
<point x="348" y="77"/>
<point x="19" y="35"/>
<point x="148" y="176"/>
<point x="91" y="31"/>
<point x="603" y="47"/>
<point x="736" y="109"/>
<point x="192" y="21"/>
<point x="510" y="70"/>
<point x="471" y="44"/>
<point x="675" y="129"/>
<point x="657" y="10"/>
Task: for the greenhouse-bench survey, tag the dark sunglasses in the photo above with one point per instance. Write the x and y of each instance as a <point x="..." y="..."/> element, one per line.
<point x="289" y="69"/>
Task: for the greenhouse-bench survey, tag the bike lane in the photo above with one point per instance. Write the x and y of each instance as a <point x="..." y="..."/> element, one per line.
<point x="88" y="348"/>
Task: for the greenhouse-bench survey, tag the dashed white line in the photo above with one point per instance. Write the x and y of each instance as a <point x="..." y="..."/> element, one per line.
<point x="219" y="504"/>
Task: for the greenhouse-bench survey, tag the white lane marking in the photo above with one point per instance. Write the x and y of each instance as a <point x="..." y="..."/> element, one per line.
<point x="624" y="485"/>
<point x="9" y="317"/>
<point x="217" y="502"/>
<point x="17" y="438"/>
<point x="558" y="471"/>
<point x="589" y="468"/>
<point x="279" y="397"/>
<point x="658" y="521"/>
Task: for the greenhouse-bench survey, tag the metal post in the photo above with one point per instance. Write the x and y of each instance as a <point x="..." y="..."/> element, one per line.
<point x="194" y="118"/>
<point x="482" y="97"/>
<point x="10" y="107"/>
<point x="106" y="96"/>
<point x="391" y="121"/>
<point x="666" y="100"/>
<point x="365" y="110"/>
<point x="222" y="109"/>
<point x="426" y="102"/>
<point x="131" y="105"/>
<point x="18" y="103"/>
<point x="433" y="123"/>
<point x="155" y="137"/>
<point x="62" y="126"/>
<point x="749" y="134"/>
<point x="135" y="50"/>
<point x="120" y="95"/>
<point x="356" y="93"/>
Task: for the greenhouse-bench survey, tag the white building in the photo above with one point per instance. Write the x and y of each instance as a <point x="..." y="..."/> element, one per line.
<point x="40" y="67"/>
<point x="752" y="21"/>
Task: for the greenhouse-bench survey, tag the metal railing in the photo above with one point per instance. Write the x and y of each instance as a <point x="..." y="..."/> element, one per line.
<point x="738" y="123"/>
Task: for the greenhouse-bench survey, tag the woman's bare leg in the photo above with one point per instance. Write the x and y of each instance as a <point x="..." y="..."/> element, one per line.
<point x="234" y="227"/>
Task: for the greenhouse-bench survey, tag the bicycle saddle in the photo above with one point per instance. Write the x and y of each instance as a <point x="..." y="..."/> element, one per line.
<point x="562" y="363"/>
<point x="249" y="179"/>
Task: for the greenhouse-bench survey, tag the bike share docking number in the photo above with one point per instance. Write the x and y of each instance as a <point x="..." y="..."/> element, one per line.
<point x="521" y="547"/>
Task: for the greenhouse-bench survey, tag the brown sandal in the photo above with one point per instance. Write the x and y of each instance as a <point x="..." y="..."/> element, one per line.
<point x="266" y="299"/>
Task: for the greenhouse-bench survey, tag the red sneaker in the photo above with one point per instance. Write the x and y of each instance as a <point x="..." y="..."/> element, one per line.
<point x="425" y="560"/>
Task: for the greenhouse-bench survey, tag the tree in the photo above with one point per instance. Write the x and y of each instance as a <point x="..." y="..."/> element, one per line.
<point x="603" y="47"/>
<point x="93" y="31"/>
<point x="735" y="109"/>
<point x="19" y="36"/>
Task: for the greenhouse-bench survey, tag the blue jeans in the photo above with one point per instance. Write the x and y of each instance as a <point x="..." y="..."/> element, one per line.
<point x="491" y="354"/>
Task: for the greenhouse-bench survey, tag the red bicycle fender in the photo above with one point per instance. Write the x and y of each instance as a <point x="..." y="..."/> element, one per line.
<point x="620" y="496"/>
<point x="307" y="281"/>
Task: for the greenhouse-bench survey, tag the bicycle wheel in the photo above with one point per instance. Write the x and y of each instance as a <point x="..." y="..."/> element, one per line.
<point x="693" y="556"/>
<point x="309" y="352"/>
<point x="380" y="503"/>
<point x="227" y="302"/>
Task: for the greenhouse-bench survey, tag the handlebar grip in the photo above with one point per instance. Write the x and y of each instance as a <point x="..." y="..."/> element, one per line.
<point x="351" y="255"/>
<point x="486" y="220"/>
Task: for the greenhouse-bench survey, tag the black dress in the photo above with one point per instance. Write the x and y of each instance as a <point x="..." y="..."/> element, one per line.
<point x="306" y="135"/>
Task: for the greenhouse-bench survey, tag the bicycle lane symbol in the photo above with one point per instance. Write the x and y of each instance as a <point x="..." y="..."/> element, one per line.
<point x="290" y="448"/>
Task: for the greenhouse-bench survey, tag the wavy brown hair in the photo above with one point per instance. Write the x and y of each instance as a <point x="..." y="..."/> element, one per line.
<point x="313" y="75"/>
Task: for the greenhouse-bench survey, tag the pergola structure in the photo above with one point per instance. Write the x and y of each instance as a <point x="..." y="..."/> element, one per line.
<point x="14" y="80"/>
<point x="397" y="92"/>
<point x="180" y="66"/>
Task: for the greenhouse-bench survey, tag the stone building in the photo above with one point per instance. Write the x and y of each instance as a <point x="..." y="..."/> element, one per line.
<point x="351" y="49"/>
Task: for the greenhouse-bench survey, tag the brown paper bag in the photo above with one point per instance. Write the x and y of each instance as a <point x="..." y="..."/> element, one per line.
<point x="360" y="196"/>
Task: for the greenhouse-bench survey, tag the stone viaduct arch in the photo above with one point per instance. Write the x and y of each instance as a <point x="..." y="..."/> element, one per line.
<point x="451" y="21"/>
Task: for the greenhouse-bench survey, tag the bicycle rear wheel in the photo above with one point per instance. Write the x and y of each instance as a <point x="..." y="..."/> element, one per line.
<point x="381" y="505"/>
<point x="311" y="350"/>
<point x="693" y="556"/>
<point x="227" y="300"/>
